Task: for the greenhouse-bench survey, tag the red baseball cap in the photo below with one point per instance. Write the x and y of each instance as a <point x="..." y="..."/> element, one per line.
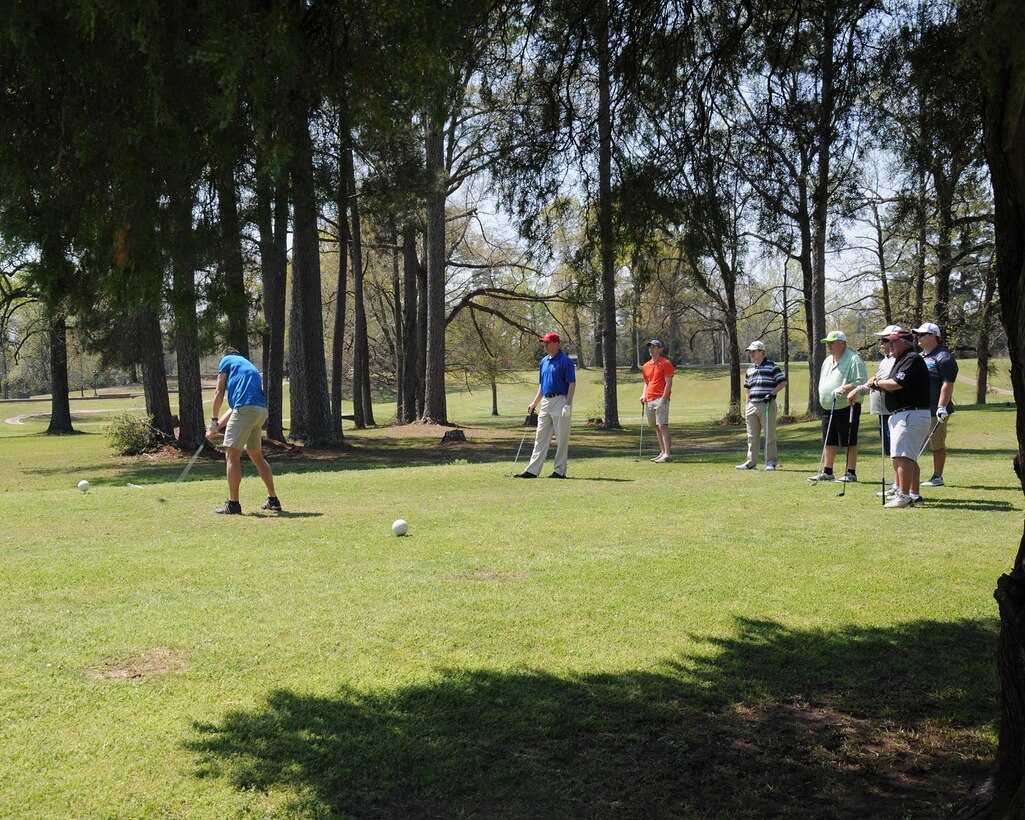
<point x="550" y="337"/>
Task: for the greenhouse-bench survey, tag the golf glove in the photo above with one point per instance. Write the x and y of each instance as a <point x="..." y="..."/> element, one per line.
<point x="941" y="414"/>
<point x="567" y="411"/>
<point x="213" y="426"/>
<point x="839" y="393"/>
<point x="769" y="398"/>
<point x="862" y="389"/>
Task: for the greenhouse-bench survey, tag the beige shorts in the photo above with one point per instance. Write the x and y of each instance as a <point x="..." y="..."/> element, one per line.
<point x="244" y="425"/>
<point x="908" y="431"/>
<point x="939" y="438"/>
<point x="658" y="411"/>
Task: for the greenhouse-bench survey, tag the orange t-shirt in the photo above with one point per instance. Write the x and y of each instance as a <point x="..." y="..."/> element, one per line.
<point x="655" y="374"/>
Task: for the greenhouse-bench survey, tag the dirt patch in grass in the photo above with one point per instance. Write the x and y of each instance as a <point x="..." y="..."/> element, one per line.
<point x="147" y="664"/>
<point x="489" y="577"/>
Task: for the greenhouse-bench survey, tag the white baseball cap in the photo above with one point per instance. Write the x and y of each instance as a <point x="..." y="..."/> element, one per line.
<point x="927" y="327"/>
<point x="756" y="346"/>
<point x="888" y="330"/>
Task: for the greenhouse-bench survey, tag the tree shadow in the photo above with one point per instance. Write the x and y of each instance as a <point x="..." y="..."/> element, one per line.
<point x="970" y="505"/>
<point x="770" y="721"/>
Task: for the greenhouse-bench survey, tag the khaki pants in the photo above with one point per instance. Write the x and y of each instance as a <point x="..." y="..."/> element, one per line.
<point x="549" y="422"/>
<point x="755" y="416"/>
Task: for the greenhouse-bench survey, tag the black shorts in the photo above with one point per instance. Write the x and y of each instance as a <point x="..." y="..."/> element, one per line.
<point x="841" y="433"/>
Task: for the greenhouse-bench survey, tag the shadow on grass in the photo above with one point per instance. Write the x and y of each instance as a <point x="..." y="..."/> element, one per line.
<point x="970" y="505"/>
<point x="768" y="722"/>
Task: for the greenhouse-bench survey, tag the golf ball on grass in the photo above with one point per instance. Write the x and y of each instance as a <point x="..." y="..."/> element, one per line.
<point x="83" y="485"/>
<point x="400" y="527"/>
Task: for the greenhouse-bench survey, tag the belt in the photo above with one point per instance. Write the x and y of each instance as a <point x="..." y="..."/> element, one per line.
<point x="907" y="410"/>
<point x="553" y="395"/>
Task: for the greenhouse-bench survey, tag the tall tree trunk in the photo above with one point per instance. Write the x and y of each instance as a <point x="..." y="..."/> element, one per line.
<point x="191" y="418"/>
<point x="605" y="228"/>
<point x="338" y="341"/>
<point x="236" y="303"/>
<point x="410" y="339"/>
<point x="983" y="343"/>
<point x="272" y="221"/>
<point x="1002" y="793"/>
<point x="421" y="338"/>
<point x="820" y="202"/>
<point x="60" y="404"/>
<point x="804" y="256"/>
<point x="396" y="290"/>
<point x="944" y="253"/>
<point x="599" y="355"/>
<point x="494" y="397"/>
<point x="920" y="251"/>
<point x="435" y="409"/>
<point x="581" y="362"/>
<point x="310" y="397"/>
<point x="154" y="374"/>
<point x="635" y="331"/>
<point x="363" y="408"/>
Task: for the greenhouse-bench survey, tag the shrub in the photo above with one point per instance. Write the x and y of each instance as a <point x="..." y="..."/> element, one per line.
<point x="130" y="435"/>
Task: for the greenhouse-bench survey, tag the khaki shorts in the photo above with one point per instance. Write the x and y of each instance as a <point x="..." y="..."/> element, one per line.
<point x="658" y="411"/>
<point x="908" y="431"/>
<point x="939" y="438"/>
<point x="244" y="425"/>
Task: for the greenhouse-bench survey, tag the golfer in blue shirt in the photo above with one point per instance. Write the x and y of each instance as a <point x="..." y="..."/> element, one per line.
<point x="558" y="382"/>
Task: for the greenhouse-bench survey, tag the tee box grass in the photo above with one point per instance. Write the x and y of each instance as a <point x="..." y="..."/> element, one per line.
<point x="666" y="640"/>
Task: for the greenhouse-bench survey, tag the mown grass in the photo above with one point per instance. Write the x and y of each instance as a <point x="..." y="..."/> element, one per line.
<point x="667" y="640"/>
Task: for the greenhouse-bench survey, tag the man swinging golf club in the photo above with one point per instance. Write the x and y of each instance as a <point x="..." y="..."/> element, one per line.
<point x="906" y="391"/>
<point x="239" y="379"/>
<point x="557" y="383"/>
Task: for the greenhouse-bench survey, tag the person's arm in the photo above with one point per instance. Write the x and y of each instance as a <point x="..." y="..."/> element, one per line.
<point x="535" y="402"/>
<point x="222" y="386"/>
<point x="669" y="388"/>
<point x="644" y="391"/>
<point x="569" y="393"/>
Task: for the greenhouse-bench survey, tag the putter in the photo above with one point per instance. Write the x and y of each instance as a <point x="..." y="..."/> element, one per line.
<point x="847" y="449"/>
<point x="644" y="421"/>
<point x="526" y="427"/>
<point x="829" y="426"/>
<point x="192" y="461"/>
<point x="937" y="424"/>
<point x="882" y="458"/>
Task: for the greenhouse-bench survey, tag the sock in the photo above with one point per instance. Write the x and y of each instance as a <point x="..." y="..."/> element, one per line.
<point x="827" y="470"/>
<point x="851" y="472"/>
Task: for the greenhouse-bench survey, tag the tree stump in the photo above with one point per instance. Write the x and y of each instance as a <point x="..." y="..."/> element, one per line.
<point x="453" y="435"/>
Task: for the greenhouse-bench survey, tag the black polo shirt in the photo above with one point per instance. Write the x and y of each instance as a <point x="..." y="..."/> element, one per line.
<point x="912" y="374"/>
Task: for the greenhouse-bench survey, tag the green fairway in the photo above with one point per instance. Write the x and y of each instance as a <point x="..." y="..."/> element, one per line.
<point x="642" y="640"/>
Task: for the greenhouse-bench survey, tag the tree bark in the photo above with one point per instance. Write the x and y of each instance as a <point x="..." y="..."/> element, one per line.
<point x="310" y="397"/>
<point x="341" y="310"/>
<point x="435" y="409"/>
<point x="410" y="338"/>
<point x="983" y="343"/>
<point x="396" y="289"/>
<point x="363" y="408"/>
<point x="1002" y="793"/>
<point x="154" y="374"/>
<point x="191" y="418"/>
<point x="605" y="227"/>
<point x="236" y="302"/>
<point x="60" y="404"/>
<point x="272" y="221"/>
<point x="421" y="337"/>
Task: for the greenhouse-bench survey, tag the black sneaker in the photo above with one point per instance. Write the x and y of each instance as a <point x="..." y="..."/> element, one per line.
<point x="271" y="503"/>
<point x="525" y="474"/>
<point x="230" y="508"/>
<point x="556" y="475"/>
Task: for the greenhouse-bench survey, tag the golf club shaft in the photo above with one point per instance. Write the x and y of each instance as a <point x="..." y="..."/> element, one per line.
<point x="523" y="438"/>
<point x="882" y="457"/>
<point x="937" y="424"/>
<point x="192" y="461"/>
<point x="825" y="441"/>
<point x="847" y="449"/>
<point x="644" y="421"/>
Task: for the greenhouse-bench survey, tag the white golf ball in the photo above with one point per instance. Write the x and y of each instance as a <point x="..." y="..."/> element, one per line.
<point x="400" y="527"/>
<point x="83" y="485"/>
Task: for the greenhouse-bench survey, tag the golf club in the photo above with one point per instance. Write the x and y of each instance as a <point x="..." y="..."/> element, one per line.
<point x="937" y="424"/>
<point x="768" y="410"/>
<point x="192" y="461"/>
<point x="847" y="450"/>
<point x="829" y="426"/>
<point x="644" y="421"/>
<point x="526" y="427"/>
<point x="882" y="458"/>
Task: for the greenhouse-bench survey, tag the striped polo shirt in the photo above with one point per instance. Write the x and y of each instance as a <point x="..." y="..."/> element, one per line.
<point x="761" y="379"/>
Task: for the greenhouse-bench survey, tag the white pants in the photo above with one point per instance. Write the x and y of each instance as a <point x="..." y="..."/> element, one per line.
<point x="549" y="421"/>
<point x="755" y="416"/>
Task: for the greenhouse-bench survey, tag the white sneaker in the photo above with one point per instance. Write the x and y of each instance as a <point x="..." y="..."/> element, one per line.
<point x="898" y="501"/>
<point x="935" y="481"/>
<point x="772" y="465"/>
<point x="656" y="458"/>
<point x="662" y="459"/>
<point x="917" y="502"/>
<point x="890" y="493"/>
<point x="848" y="477"/>
<point x="746" y="466"/>
<point x="823" y="477"/>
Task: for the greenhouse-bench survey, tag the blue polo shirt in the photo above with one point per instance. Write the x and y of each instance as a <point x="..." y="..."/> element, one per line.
<point x="557" y="373"/>
<point x="244" y="383"/>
